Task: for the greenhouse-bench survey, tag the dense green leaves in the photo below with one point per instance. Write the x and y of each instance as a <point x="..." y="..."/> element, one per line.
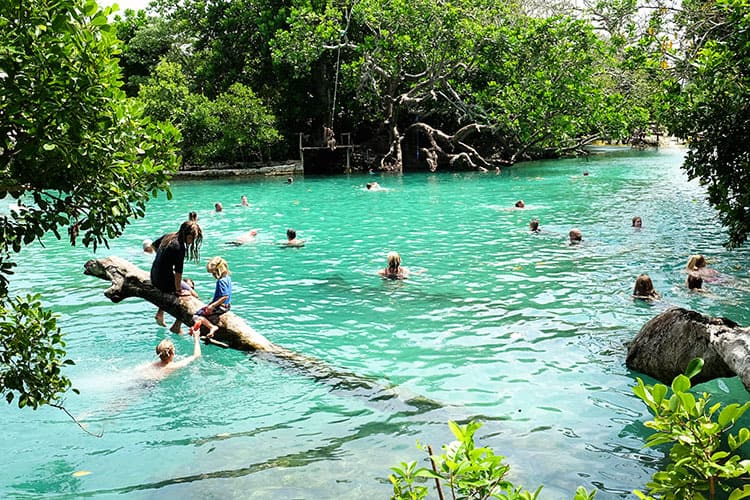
<point x="74" y="152"/>
<point x="699" y="464"/>
<point x="709" y="101"/>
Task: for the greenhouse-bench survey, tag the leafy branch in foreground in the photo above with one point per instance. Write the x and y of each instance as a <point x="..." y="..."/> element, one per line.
<point x="699" y="462"/>
<point x="464" y="470"/>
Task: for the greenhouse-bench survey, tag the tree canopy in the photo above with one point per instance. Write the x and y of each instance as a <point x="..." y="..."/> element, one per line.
<point x="75" y="153"/>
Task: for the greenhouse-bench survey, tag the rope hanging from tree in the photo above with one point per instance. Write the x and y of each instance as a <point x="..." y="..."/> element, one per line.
<point x="338" y="61"/>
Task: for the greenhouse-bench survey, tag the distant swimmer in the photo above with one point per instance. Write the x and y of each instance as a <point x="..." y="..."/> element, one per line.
<point x="637" y="222"/>
<point x="534" y="226"/>
<point x="374" y="186"/>
<point x="393" y="269"/>
<point x="698" y="265"/>
<point x="292" y="240"/>
<point x="644" y="288"/>
<point x="575" y="236"/>
<point x="520" y="204"/>
<point x="218" y="207"/>
<point x="244" y="238"/>
<point x="244" y="202"/>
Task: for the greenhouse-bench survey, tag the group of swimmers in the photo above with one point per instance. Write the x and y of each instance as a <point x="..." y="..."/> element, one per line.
<point x="697" y="270"/>
<point x="697" y="266"/>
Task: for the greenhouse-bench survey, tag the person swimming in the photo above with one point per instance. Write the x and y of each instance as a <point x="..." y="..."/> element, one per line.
<point x="393" y="269"/>
<point x="644" y="288"/>
<point x="575" y="236"/>
<point x="244" y="238"/>
<point x="292" y="240"/>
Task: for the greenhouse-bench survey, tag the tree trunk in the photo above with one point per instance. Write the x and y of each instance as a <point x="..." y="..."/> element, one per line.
<point x="128" y="280"/>
<point x="668" y="342"/>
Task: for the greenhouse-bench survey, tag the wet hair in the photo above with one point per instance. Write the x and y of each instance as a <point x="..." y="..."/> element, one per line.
<point x="191" y="228"/>
<point x="218" y="207"/>
<point x="369" y="185"/>
<point x="520" y="204"/>
<point x="165" y="349"/>
<point x="218" y="267"/>
<point x="291" y="234"/>
<point x="694" y="281"/>
<point x="534" y="224"/>
<point x="644" y="287"/>
<point x="638" y="220"/>
<point x="394" y="262"/>
<point x="575" y="235"/>
<point x="695" y="262"/>
<point x="193" y="216"/>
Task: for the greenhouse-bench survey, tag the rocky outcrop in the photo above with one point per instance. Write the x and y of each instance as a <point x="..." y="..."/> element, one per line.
<point x="667" y="343"/>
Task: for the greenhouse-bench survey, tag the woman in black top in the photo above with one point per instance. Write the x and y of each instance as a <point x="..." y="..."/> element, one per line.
<point x="171" y="249"/>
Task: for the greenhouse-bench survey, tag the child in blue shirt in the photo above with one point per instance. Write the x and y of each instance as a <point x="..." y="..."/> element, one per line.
<point x="208" y="316"/>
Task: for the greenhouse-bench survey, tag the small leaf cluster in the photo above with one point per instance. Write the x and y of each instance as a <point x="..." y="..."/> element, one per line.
<point x="31" y="353"/>
<point x="704" y="457"/>
<point x="465" y="471"/>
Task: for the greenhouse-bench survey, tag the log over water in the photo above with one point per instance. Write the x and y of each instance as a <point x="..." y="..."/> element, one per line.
<point x="128" y="280"/>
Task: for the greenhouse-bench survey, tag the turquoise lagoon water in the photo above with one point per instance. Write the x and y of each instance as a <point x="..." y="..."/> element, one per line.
<point x="518" y="330"/>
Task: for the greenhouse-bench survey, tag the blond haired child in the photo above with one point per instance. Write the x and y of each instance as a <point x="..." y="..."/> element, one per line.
<point x="208" y="316"/>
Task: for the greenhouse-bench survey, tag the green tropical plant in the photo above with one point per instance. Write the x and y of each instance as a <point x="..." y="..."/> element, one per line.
<point x="704" y="457"/>
<point x="465" y="470"/>
<point x="75" y="153"/>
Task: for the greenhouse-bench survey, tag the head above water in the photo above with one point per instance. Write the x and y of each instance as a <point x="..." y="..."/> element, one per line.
<point x="534" y="224"/>
<point x="696" y="262"/>
<point x="291" y="234"/>
<point x="394" y="261"/>
<point x="575" y="235"/>
<point x="644" y="287"/>
<point x="148" y="246"/>
<point x="520" y="204"/>
<point x="165" y="350"/>
<point x="694" y="281"/>
<point x="637" y="222"/>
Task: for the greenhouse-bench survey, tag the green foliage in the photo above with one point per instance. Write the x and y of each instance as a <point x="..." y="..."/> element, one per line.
<point x="74" y="150"/>
<point x="31" y="353"/>
<point x="235" y="127"/>
<point x="146" y="40"/>
<point x="467" y="471"/>
<point x="709" y="98"/>
<point x="704" y="456"/>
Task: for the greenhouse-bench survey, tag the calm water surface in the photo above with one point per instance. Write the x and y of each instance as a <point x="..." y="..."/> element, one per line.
<point x="519" y="330"/>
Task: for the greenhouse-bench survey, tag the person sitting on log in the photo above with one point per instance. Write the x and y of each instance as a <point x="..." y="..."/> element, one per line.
<point x="189" y="286"/>
<point x="171" y="249"/>
<point x="393" y="270"/>
<point x="644" y="288"/>
<point x="208" y="316"/>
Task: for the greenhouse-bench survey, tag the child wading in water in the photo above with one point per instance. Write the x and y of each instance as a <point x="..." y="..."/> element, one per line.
<point x="208" y="316"/>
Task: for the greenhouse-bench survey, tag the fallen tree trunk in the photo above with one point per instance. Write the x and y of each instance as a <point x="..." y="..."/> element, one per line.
<point x="668" y="342"/>
<point x="128" y="280"/>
